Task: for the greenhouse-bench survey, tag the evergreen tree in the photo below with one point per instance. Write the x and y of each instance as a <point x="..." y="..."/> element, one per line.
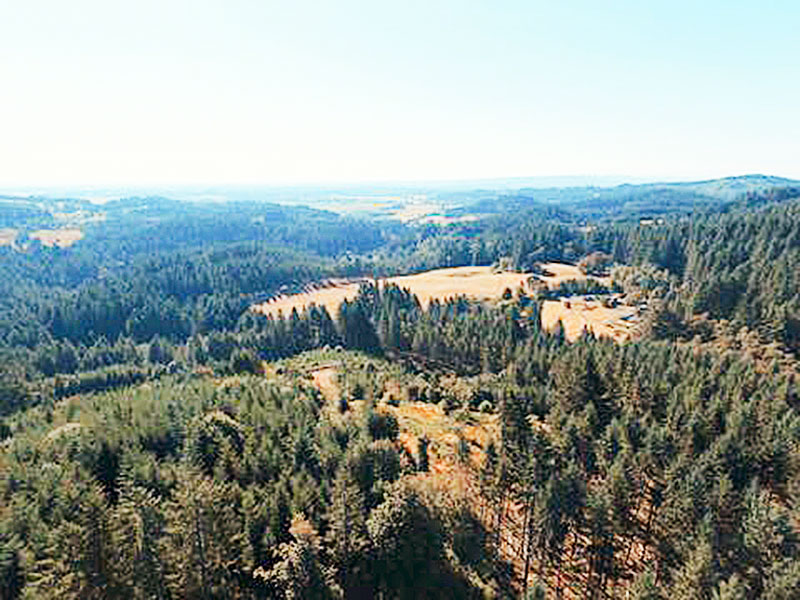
<point x="204" y="544"/>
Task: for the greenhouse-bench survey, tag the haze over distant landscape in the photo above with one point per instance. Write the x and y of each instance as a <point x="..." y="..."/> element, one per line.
<point x="242" y="92"/>
<point x="432" y="299"/>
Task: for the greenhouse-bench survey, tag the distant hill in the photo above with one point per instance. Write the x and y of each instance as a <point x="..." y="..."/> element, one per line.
<point x="565" y="199"/>
<point x="14" y="210"/>
<point x="638" y="200"/>
<point x="729" y="188"/>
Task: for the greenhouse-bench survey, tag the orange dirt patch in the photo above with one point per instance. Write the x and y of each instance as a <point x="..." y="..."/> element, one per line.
<point x="408" y="441"/>
<point x="62" y="238"/>
<point x="577" y="313"/>
<point x="419" y="418"/>
<point x="420" y="411"/>
<point x="326" y="381"/>
<point x="477" y="434"/>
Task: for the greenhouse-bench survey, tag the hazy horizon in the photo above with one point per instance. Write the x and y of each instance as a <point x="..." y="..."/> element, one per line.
<point x="298" y="192"/>
<point x="212" y="93"/>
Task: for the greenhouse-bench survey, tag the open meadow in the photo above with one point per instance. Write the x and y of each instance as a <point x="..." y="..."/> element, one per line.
<point x="61" y="238"/>
<point x="481" y="283"/>
<point x="476" y="282"/>
<point x="7" y="236"/>
<point x="577" y="313"/>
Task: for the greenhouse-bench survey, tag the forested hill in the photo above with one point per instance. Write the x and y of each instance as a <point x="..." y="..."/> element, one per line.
<point x="121" y="230"/>
<point x="151" y="267"/>
<point x="160" y="439"/>
<point x="640" y="201"/>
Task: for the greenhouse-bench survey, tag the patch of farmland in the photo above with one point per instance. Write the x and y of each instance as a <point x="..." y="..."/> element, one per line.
<point x="561" y="272"/>
<point x="329" y="297"/>
<point x="481" y="283"/>
<point x="577" y="313"/>
<point x="62" y="238"/>
<point x="7" y="236"/>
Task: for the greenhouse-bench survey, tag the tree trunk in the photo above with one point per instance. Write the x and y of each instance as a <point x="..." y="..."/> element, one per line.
<point x="528" y="538"/>
<point x="198" y="530"/>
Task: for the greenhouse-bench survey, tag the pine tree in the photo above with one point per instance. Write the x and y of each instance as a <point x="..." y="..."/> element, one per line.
<point x="644" y="587"/>
<point x="695" y="579"/>
<point x="11" y="573"/>
<point x="77" y="561"/>
<point x="408" y="546"/>
<point x="298" y="573"/>
<point x="347" y="536"/>
<point x="205" y="542"/>
<point x="422" y="453"/>
<point x="136" y="526"/>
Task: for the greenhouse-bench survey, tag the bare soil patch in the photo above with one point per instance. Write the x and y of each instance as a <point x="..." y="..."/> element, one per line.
<point x="327" y="382"/>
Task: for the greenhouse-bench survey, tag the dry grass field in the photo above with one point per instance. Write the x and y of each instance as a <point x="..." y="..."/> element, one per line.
<point x="476" y="282"/>
<point x="330" y="297"/>
<point x="562" y="272"/>
<point x="7" y="236"/>
<point x="62" y="238"/>
<point x="484" y="284"/>
<point x="577" y="312"/>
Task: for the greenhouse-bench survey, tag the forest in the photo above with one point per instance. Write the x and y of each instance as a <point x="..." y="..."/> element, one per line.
<point x="159" y="439"/>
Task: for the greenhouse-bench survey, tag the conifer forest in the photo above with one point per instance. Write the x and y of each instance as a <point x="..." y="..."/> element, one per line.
<point x="162" y="438"/>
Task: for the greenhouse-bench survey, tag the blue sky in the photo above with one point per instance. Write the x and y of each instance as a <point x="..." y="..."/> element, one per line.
<point x="252" y="92"/>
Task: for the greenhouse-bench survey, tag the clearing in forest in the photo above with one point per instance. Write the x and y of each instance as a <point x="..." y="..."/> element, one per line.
<point x="7" y="236"/>
<point x="561" y="272"/>
<point x="444" y="432"/>
<point x="578" y="312"/>
<point x="482" y="283"/>
<point x="62" y="238"/>
<point x="326" y="381"/>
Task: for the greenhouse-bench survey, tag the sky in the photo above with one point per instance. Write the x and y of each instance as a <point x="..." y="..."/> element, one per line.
<point x="101" y="92"/>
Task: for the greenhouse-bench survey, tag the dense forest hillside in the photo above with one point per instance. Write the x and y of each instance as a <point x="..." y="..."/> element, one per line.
<point x="160" y="439"/>
<point x="643" y="200"/>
